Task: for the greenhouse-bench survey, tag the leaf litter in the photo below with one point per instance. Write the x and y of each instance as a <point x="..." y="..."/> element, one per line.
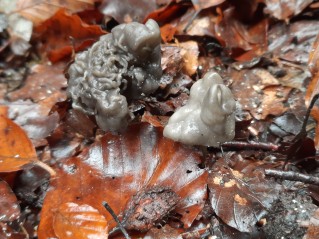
<point x="266" y="52"/>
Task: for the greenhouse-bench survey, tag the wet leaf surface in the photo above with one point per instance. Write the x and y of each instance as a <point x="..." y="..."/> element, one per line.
<point x="126" y="160"/>
<point x="42" y="82"/>
<point x="240" y="195"/>
<point x="79" y="221"/>
<point x="35" y="119"/>
<point x="9" y="207"/>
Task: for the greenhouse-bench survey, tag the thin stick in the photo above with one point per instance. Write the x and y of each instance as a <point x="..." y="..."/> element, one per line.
<point x="46" y="167"/>
<point x="296" y="142"/>
<point x="251" y="145"/>
<point x="292" y="176"/>
<point x="110" y="210"/>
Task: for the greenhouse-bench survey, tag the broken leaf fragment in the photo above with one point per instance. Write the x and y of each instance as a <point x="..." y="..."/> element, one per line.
<point x="80" y="222"/>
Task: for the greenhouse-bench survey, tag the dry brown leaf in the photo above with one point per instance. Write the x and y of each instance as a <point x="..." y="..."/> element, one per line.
<point x="40" y="10"/>
<point x="285" y="9"/>
<point x="63" y="33"/>
<point x="79" y="221"/>
<point x="258" y="95"/>
<point x="44" y="80"/>
<point x="241" y="195"/>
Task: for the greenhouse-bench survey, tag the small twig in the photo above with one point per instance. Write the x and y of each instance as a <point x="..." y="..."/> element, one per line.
<point x="296" y="142"/>
<point x="292" y="176"/>
<point x="250" y="145"/>
<point x="46" y="167"/>
<point x="110" y="210"/>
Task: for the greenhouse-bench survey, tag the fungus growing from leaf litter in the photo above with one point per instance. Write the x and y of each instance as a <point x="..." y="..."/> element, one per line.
<point x="122" y="66"/>
<point x="208" y="118"/>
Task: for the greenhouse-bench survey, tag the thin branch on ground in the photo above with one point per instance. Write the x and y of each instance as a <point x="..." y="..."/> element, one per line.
<point x="250" y="145"/>
<point x="119" y="224"/>
<point x="292" y="176"/>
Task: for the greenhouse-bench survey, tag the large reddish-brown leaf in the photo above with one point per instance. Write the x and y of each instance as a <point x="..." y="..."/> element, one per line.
<point x="79" y="221"/>
<point x="118" y="166"/>
<point x="16" y="149"/>
<point x="40" y="10"/>
<point x="241" y="195"/>
<point x="62" y="32"/>
<point x="9" y="207"/>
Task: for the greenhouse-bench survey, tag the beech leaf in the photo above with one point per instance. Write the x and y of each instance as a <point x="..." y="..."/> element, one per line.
<point x="16" y="149"/>
<point x="120" y="166"/>
<point x="40" y="10"/>
<point x="80" y="222"/>
<point x="241" y="195"/>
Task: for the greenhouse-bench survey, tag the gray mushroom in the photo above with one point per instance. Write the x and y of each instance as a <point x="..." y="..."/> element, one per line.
<point x="208" y="118"/>
<point x="121" y="67"/>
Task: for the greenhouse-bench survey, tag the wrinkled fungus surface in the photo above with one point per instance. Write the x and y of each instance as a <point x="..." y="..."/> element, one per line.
<point x="208" y="118"/>
<point x="120" y="67"/>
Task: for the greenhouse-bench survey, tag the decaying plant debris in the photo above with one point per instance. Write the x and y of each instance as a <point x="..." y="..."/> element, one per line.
<point x="61" y="176"/>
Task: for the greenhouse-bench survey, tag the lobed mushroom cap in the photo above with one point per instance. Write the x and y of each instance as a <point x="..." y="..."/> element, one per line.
<point x="208" y="118"/>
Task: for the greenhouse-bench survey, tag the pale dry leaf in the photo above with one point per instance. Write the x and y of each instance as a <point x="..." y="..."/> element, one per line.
<point x="40" y="10"/>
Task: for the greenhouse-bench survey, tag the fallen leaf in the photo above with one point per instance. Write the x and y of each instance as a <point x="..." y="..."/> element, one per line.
<point x="79" y="221"/>
<point x="170" y="11"/>
<point x="9" y="207"/>
<point x="43" y="81"/>
<point x="63" y="32"/>
<point x="313" y="226"/>
<point x="285" y="9"/>
<point x="40" y="10"/>
<point x="262" y="96"/>
<point x="190" y="53"/>
<point x="165" y="232"/>
<point x="16" y="149"/>
<point x="118" y="167"/>
<point x="35" y="119"/>
<point x="293" y="42"/>
<point x="128" y="10"/>
<point x="202" y="4"/>
<point x="240" y="195"/>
